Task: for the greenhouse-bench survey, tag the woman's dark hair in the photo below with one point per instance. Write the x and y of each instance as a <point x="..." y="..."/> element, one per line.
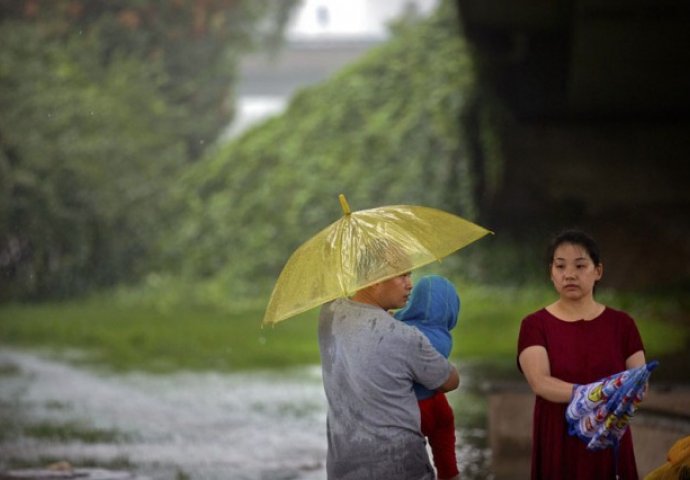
<point x="575" y="237"/>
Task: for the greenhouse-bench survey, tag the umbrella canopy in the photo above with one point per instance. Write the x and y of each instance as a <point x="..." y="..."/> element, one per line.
<point x="599" y="412"/>
<point x="677" y="465"/>
<point x="362" y="248"/>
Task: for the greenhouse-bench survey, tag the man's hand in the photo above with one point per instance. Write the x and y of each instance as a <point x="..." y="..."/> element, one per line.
<point x="452" y="381"/>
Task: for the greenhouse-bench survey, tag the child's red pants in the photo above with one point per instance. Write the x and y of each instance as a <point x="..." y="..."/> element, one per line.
<point x="438" y="425"/>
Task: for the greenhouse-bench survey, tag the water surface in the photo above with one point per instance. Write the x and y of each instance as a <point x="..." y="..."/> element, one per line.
<point x="244" y="426"/>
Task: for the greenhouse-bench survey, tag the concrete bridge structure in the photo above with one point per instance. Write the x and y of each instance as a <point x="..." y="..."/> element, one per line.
<point x="595" y="126"/>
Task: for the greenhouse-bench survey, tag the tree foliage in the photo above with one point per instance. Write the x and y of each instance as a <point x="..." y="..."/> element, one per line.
<point x="101" y="104"/>
<point x="385" y="130"/>
<point x="195" y="43"/>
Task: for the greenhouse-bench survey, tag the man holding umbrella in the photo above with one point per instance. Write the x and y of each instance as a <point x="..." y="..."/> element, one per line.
<point x="370" y="361"/>
<point x="358" y="268"/>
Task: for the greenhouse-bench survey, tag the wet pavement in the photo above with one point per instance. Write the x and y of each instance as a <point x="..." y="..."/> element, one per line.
<point x="211" y="426"/>
<point x="187" y="425"/>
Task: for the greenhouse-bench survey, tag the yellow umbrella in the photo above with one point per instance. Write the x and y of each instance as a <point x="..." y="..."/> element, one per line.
<point x="363" y="248"/>
<point x="677" y="465"/>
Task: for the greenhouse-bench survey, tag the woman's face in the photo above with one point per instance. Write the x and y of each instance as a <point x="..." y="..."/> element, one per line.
<point x="573" y="272"/>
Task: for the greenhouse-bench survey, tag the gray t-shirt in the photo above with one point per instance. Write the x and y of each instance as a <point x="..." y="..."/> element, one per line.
<point x="370" y="361"/>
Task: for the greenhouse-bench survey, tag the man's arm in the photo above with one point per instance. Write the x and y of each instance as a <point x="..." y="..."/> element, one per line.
<point x="452" y="381"/>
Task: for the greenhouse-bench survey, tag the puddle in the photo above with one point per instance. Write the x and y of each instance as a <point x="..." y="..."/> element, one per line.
<point x="244" y="426"/>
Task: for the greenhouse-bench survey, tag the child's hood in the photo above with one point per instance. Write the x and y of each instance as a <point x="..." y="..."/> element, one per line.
<point x="433" y="303"/>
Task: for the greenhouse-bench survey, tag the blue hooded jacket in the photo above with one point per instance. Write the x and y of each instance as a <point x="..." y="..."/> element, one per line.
<point x="433" y="308"/>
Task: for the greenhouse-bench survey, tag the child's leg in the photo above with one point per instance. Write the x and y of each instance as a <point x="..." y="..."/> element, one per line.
<point x="438" y="425"/>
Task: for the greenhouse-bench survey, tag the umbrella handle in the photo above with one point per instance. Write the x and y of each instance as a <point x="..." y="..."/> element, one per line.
<point x="344" y="205"/>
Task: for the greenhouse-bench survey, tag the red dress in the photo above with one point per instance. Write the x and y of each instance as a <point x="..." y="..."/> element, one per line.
<point x="579" y="352"/>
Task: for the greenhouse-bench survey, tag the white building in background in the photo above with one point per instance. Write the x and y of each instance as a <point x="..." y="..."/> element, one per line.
<point x="350" y="19"/>
<point x="321" y="38"/>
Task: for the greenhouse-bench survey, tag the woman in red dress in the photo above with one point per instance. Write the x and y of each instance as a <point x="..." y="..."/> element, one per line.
<point x="575" y="340"/>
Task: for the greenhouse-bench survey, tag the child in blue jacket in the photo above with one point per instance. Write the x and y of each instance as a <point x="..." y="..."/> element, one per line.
<point x="433" y="308"/>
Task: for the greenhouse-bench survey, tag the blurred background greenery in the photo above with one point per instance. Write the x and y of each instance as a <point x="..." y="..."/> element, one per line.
<point x="129" y="330"/>
<point x="109" y="332"/>
<point x="129" y="230"/>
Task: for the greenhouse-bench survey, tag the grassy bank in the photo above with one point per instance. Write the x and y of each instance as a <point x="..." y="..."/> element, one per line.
<point x="125" y="336"/>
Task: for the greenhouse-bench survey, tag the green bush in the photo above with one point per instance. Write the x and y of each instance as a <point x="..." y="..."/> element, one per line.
<point x="385" y="130"/>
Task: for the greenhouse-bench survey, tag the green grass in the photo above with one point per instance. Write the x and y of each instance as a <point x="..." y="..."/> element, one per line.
<point x="73" y="432"/>
<point x="490" y="319"/>
<point x="130" y="336"/>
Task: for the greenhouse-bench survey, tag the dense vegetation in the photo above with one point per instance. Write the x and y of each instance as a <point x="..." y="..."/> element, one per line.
<point x="386" y="130"/>
<point x="108" y="110"/>
<point x="109" y="172"/>
<point x="109" y="168"/>
<point x="101" y="105"/>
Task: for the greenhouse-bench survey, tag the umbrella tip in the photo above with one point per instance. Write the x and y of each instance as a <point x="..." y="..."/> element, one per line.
<point x="344" y="205"/>
<point x="652" y="365"/>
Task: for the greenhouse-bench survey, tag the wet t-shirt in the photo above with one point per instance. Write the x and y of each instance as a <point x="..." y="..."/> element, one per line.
<point x="370" y="362"/>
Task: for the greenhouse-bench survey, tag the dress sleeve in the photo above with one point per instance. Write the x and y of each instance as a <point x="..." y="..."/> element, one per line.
<point x="531" y="334"/>
<point x="631" y="337"/>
